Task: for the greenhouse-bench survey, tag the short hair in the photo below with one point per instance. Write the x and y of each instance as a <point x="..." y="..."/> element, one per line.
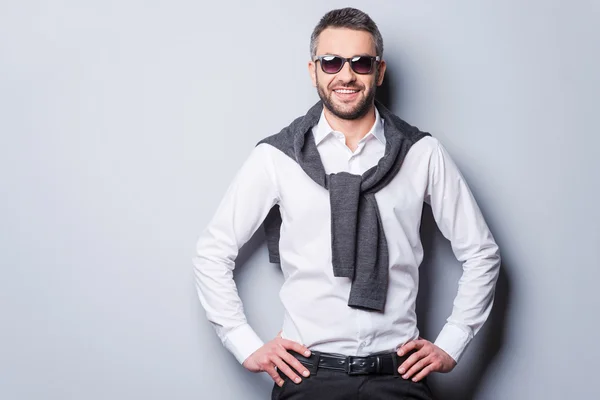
<point x="351" y="18"/>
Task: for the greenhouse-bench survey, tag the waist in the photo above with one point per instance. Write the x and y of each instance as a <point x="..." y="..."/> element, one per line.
<point x="383" y="363"/>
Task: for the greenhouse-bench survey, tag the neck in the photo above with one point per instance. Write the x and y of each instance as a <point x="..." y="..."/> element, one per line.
<point x="354" y="129"/>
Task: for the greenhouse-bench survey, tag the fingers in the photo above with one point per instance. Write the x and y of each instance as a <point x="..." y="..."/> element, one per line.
<point x="428" y="358"/>
<point x="417" y="367"/>
<point x="284" y="361"/>
<point x="283" y="367"/>
<point x="410" y="346"/>
<point x="274" y="358"/>
<point x="410" y="361"/>
<point x="424" y="372"/>
<point x="297" y="347"/>
<point x="280" y="359"/>
<point x="293" y="362"/>
<point x="274" y="375"/>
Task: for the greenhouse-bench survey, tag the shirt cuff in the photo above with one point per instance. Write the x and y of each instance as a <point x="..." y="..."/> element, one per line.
<point x="242" y="342"/>
<point x="453" y="340"/>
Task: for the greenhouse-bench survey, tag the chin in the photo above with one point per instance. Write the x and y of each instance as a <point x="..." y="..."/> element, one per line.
<point x="348" y="107"/>
<point x="349" y="111"/>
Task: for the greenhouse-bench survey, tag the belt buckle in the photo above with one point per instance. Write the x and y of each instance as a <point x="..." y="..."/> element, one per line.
<point x="350" y="362"/>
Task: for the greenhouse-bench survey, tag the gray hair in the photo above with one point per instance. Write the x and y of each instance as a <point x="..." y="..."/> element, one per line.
<point x="347" y="18"/>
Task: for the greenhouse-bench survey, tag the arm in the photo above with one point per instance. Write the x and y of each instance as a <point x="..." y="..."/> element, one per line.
<point x="244" y="207"/>
<point x="460" y="220"/>
<point x="247" y="201"/>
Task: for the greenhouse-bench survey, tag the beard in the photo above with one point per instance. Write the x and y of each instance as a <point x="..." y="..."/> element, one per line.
<point x="356" y="112"/>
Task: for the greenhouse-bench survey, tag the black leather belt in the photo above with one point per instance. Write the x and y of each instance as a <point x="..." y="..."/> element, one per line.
<point x="383" y="364"/>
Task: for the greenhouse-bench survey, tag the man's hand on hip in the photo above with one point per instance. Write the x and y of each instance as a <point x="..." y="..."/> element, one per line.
<point x="275" y="354"/>
<point x="426" y="359"/>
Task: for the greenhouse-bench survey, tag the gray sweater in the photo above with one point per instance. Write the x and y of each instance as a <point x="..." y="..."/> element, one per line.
<point x="358" y="243"/>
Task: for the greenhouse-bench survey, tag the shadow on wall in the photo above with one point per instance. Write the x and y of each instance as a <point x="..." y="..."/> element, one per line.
<point x="384" y="92"/>
<point x="464" y="382"/>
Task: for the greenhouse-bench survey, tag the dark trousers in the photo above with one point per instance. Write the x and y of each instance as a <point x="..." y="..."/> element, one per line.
<point x="329" y="384"/>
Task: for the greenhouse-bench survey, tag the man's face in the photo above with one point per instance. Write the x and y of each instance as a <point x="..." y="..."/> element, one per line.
<point x="333" y="88"/>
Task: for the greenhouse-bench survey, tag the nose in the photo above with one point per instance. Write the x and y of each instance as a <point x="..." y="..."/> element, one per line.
<point x="346" y="74"/>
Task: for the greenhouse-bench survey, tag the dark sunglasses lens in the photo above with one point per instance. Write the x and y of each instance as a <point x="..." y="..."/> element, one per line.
<point x="362" y="65"/>
<point x="332" y="64"/>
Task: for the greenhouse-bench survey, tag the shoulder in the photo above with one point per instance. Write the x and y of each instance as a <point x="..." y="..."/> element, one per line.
<point x="285" y="135"/>
<point x="427" y="144"/>
<point x="429" y="153"/>
<point x="264" y="153"/>
<point x="423" y="146"/>
<point x="270" y="156"/>
<point x="439" y="162"/>
<point x="283" y="141"/>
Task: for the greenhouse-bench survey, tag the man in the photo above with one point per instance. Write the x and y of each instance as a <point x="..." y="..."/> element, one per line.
<point x="341" y="192"/>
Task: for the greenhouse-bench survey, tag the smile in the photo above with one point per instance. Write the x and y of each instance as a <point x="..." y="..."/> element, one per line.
<point x="345" y="91"/>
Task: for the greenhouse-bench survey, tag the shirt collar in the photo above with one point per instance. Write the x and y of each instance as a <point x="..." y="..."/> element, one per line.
<point x="323" y="129"/>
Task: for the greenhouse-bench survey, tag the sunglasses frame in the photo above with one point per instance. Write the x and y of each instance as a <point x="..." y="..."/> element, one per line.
<point x="374" y="60"/>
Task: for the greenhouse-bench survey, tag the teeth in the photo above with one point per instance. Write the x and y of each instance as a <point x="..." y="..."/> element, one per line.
<point x="346" y="91"/>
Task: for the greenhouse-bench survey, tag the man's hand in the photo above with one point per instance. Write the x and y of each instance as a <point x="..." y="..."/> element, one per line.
<point x="428" y="358"/>
<point x="275" y="354"/>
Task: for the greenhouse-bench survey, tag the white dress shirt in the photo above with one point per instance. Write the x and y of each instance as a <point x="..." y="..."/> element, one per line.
<point x="315" y="302"/>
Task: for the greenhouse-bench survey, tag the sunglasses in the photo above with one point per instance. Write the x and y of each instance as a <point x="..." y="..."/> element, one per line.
<point x="359" y="64"/>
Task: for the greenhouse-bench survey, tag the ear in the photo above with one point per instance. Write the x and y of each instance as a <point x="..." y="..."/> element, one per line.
<point x="312" y="70"/>
<point x="382" y="66"/>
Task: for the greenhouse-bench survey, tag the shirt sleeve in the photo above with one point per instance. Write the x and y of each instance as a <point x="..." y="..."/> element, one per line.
<point x="460" y="221"/>
<point x="243" y="208"/>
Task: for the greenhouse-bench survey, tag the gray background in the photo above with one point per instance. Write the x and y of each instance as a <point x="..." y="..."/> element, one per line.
<point x="122" y="123"/>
